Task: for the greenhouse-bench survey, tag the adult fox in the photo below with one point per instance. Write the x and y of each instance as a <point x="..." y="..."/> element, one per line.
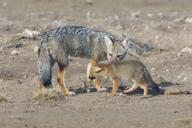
<point x="57" y="44"/>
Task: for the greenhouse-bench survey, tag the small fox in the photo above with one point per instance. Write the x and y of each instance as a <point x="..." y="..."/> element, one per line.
<point x="124" y="70"/>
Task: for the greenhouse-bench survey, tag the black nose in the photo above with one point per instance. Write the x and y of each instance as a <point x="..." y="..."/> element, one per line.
<point x="92" y="77"/>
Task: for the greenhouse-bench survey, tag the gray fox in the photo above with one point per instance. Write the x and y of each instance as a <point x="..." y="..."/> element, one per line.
<point x="124" y="70"/>
<point x="57" y="44"/>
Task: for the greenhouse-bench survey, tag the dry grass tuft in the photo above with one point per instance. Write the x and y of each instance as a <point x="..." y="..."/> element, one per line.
<point x="49" y="94"/>
<point x="3" y="99"/>
<point x="185" y="122"/>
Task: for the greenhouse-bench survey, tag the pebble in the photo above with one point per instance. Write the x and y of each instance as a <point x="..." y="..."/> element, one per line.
<point x="136" y="14"/>
<point x="157" y="37"/>
<point x="36" y="49"/>
<point x="89" y="2"/>
<point x="1" y="49"/>
<point x="179" y="20"/>
<point x="185" y="50"/>
<point x="150" y="15"/>
<point x="15" y="52"/>
<point x="188" y="20"/>
<point x="160" y="14"/>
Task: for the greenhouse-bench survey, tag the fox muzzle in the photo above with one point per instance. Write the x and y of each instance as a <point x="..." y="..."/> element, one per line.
<point x="92" y="77"/>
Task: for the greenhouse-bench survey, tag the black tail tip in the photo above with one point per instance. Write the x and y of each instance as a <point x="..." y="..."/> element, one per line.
<point x="46" y="84"/>
<point x="156" y="88"/>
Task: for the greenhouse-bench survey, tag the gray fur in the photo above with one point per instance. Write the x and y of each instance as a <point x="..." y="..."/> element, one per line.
<point x="57" y="44"/>
<point x="139" y="48"/>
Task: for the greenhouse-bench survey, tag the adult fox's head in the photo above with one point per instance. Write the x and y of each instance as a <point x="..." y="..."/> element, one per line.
<point x="115" y="49"/>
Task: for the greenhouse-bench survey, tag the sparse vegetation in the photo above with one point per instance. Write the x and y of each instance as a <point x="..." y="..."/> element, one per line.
<point x="3" y="99"/>
<point x="51" y="94"/>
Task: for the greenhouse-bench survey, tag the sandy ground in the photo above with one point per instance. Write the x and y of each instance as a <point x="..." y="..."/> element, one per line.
<point x="164" y="24"/>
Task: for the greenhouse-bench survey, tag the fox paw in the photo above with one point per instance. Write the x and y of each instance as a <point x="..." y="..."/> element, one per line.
<point x="70" y="93"/>
<point x="119" y="94"/>
<point x="102" y="90"/>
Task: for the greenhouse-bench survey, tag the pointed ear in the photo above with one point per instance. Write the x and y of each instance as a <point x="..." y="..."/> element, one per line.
<point x="108" y="42"/>
<point x="98" y="69"/>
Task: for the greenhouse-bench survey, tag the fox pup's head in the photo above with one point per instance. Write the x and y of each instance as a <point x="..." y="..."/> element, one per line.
<point x="96" y="71"/>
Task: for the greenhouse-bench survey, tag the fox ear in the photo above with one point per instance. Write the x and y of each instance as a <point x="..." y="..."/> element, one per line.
<point x="98" y="69"/>
<point x="108" y="41"/>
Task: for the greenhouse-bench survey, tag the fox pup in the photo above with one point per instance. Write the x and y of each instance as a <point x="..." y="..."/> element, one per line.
<point x="124" y="70"/>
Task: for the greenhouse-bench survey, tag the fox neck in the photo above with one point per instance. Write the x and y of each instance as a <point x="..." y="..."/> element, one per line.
<point x="107" y="69"/>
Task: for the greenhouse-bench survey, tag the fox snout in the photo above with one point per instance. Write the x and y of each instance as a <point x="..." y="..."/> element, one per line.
<point x="92" y="77"/>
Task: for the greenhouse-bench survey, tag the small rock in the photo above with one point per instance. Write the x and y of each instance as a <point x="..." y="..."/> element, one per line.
<point x="187" y="49"/>
<point x="175" y="91"/>
<point x="119" y="94"/>
<point x="4" y="4"/>
<point x="116" y="17"/>
<point x="179" y="54"/>
<point x="188" y="20"/>
<point x="136" y="14"/>
<point x="119" y="27"/>
<point x="15" y="52"/>
<point x="1" y="49"/>
<point x="184" y="79"/>
<point x="157" y="37"/>
<point x="150" y="15"/>
<point x="20" y="82"/>
<point x="160" y="14"/>
<point x="89" y="2"/>
<point x="179" y="20"/>
<point x="25" y="76"/>
<point x="36" y="49"/>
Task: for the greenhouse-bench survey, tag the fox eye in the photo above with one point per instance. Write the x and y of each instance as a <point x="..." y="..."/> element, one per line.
<point x="99" y="71"/>
<point x="121" y="56"/>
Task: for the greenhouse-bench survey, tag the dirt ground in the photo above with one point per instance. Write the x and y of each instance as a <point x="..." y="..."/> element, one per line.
<point x="164" y="24"/>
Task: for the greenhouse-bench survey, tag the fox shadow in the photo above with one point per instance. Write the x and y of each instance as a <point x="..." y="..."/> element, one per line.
<point x="121" y="89"/>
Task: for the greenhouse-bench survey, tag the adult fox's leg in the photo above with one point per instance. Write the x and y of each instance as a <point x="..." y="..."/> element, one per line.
<point x="61" y="80"/>
<point x="44" y="64"/>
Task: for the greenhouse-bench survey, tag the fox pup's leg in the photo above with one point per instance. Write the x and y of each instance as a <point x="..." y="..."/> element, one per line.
<point x="61" y="81"/>
<point x="144" y="86"/>
<point x="116" y="83"/>
<point x="97" y="84"/>
<point x="133" y="88"/>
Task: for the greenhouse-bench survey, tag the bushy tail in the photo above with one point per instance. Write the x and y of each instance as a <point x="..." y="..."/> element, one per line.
<point x="44" y="67"/>
<point x="150" y="81"/>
